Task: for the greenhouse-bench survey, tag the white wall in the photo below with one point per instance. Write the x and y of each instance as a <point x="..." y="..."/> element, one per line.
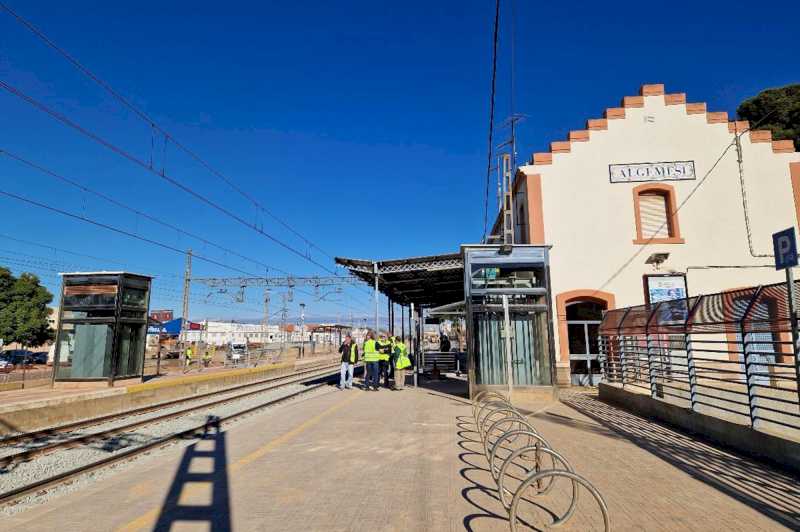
<point x="590" y="222"/>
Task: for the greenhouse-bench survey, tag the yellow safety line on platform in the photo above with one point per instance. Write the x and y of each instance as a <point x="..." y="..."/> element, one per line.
<point x="150" y="517"/>
<point x="207" y="377"/>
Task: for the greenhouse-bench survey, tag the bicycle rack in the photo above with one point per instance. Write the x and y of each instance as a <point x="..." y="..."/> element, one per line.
<point x="493" y="412"/>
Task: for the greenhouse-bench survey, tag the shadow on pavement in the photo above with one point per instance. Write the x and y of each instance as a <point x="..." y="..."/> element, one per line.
<point x="199" y="492"/>
<point x="767" y="490"/>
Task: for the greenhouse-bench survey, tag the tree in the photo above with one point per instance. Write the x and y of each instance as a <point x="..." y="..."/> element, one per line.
<point x="781" y="106"/>
<point x="23" y="309"/>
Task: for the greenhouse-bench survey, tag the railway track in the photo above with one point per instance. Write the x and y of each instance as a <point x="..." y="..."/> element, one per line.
<point x="40" y="486"/>
<point x="54" y="432"/>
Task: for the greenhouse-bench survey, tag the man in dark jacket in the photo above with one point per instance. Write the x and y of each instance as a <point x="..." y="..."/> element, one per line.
<point x="349" y="352"/>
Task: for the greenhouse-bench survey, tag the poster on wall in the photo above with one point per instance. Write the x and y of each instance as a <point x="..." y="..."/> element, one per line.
<point x="660" y="288"/>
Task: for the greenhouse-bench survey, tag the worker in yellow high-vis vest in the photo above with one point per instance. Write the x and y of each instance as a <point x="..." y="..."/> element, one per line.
<point x="385" y="349"/>
<point x="401" y="363"/>
<point x="371" y="362"/>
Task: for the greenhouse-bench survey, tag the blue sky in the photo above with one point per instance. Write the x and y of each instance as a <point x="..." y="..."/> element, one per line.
<point x="362" y="125"/>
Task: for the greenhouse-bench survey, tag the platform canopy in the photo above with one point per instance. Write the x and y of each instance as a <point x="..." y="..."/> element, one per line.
<point x="425" y="281"/>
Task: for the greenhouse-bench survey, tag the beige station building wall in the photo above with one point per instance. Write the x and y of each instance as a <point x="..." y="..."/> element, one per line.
<point x="565" y="199"/>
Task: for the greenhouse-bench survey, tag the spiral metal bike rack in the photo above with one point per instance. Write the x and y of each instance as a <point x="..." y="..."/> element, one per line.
<point x="494" y="412"/>
<point x="511" y="420"/>
<point x="575" y="478"/>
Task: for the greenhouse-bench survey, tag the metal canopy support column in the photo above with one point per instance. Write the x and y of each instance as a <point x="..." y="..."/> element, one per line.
<point x="375" y="271"/>
<point x="422" y="340"/>
<point x="413" y="336"/>
<point x="403" y="323"/>
<point x="389" y="317"/>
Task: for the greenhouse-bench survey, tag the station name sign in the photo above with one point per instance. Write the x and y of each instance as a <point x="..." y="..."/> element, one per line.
<point x="662" y="171"/>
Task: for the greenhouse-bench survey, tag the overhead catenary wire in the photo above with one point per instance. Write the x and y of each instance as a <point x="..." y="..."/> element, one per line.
<point x="168" y="137"/>
<point x="491" y="119"/>
<point x="163" y="175"/>
<point x="133" y="210"/>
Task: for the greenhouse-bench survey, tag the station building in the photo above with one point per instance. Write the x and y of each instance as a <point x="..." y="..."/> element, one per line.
<point x="655" y="200"/>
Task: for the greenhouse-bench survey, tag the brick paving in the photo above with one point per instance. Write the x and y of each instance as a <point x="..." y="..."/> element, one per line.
<point x="392" y="461"/>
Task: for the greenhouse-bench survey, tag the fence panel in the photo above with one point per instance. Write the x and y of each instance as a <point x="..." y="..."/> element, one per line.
<point x="728" y="355"/>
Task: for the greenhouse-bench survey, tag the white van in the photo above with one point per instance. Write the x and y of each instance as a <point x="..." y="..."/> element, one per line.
<point x="237" y="351"/>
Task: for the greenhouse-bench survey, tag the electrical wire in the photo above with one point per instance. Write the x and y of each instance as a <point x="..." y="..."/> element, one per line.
<point x="491" y="119"/>
<point x="134" y="159"/>
<point x="133" y="210"/>
<point x="119" y="231"/>
<point x="735" y="142"/>
<point x="154" y="126"/>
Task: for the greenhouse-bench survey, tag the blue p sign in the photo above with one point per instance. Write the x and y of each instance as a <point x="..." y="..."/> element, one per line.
<point x="785" y="247"/>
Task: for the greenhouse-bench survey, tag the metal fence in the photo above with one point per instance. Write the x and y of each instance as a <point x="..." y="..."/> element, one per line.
<point x="730" y="355"/>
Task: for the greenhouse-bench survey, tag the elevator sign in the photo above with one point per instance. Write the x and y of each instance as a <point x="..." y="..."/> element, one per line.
<point x="785" y="247"/>
<point x="662" y="171"/>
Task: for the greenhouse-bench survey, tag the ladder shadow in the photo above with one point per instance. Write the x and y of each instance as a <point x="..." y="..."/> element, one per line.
<point x="193" y="482"/>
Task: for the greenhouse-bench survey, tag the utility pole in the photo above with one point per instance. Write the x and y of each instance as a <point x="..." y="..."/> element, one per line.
<point x="302" y="330"/>
<point x="266" y="309"/>
<point x="187" y="282"/>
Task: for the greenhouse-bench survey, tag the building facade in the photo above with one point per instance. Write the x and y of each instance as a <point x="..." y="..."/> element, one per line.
<point x="658" y="199"/>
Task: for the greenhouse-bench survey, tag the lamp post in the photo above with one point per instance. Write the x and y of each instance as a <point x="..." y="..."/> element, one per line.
<point x="302" y="330"/>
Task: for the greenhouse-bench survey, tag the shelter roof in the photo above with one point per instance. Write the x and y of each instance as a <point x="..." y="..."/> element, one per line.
<point x="425" y="281"/>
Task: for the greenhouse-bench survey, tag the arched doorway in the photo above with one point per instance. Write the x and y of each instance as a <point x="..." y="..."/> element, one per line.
<point x="583" y="321"/>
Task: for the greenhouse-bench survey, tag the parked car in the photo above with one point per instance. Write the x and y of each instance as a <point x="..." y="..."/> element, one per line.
<point x="19" y="357"/>
<point x="39" y="358"/>
<point x="5" y="365"/>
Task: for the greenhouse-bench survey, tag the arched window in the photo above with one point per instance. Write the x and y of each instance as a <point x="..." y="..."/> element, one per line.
<point x="656" y="220"/>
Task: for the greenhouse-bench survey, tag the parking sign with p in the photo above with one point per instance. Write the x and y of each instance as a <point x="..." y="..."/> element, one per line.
<point x="785" y="247"/>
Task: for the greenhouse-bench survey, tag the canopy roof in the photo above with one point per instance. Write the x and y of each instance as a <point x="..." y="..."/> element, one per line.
<point x="425" y="281"/>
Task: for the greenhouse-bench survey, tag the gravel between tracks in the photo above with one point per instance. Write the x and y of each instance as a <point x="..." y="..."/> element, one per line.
<point x="48" y="465"/>
<point x="6" y="450"/>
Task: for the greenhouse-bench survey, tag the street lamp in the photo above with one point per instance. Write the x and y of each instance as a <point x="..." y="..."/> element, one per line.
<point x="302" y="330"/>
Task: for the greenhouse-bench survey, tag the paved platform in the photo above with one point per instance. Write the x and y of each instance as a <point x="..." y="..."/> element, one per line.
<point x="392" y="461"/>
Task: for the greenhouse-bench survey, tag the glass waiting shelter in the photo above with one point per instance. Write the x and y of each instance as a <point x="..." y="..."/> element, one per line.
<point x="102" y="326"/>
<point x="508" y="316"/>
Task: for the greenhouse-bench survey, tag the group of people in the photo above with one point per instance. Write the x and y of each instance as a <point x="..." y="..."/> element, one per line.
<point x="386" y="356"/>
<point x="208" y="355"/>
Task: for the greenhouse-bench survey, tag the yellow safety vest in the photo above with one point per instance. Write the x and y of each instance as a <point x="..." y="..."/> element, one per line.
<point x="189" y="353"/>
<point x="382" y="355"/>
<point x="370" y="351"/>
<point x="402" y="361"/>
<point x="353" y="353"/>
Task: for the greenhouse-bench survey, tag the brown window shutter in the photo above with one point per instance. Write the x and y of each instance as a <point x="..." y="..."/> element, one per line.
<point x="653" y="215"/>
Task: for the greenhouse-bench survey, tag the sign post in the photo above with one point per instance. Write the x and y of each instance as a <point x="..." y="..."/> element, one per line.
<point x="785" y="246"/>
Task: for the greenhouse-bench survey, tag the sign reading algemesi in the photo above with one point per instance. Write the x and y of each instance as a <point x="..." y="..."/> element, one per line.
<point x="663" y="171"/>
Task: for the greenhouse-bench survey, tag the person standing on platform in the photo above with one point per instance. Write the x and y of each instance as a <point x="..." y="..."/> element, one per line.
<point x="349" y="352"/>
<point x="401" y="362"/>
<point x="385" y="349"/>
<point x="372" y="362"/>
<point x="188" y="361"/>
<point x="392" y="345"/>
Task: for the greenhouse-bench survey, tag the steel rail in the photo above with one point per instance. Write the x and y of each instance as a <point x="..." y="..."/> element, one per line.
<point x="10" y="496"/>
<point x="29" y="454"/>
<point x="69" y="427"/>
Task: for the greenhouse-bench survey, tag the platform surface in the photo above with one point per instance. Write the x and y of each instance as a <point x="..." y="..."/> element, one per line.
<point x="398" y="461"/>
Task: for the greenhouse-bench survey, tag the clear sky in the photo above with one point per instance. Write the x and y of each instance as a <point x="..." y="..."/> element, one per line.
<point x="361" y="124"/>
